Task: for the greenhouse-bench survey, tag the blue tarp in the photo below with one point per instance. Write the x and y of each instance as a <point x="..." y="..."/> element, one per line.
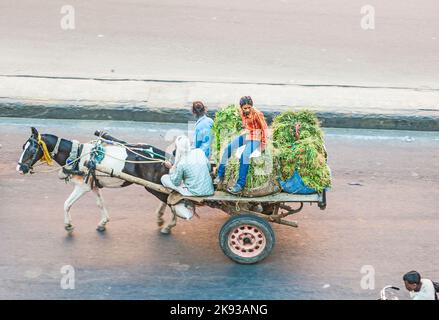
<point x="295" y="185"/>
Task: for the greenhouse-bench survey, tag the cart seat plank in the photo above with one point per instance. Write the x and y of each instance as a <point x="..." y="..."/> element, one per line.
<point x="279" y="197"/>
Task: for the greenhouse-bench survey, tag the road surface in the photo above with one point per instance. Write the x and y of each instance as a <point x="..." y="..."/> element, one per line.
<point x="284" y="41"/>
<point x="382" y="218"/>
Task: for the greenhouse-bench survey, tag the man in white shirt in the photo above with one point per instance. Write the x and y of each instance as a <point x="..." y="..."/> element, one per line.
<point x="189" y="175"/>
<point x="419" y="289"/>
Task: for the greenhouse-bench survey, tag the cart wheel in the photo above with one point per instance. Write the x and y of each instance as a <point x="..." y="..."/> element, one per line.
<point x="246" y="239"/>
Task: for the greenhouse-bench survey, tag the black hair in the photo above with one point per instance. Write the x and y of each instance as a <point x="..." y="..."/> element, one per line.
<point x="246" y="100"/>
<point x="412" y="277"/>
<point x="198" y="108"/>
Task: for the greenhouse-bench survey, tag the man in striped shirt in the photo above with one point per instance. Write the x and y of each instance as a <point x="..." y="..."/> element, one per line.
<point x="255" y="137"/>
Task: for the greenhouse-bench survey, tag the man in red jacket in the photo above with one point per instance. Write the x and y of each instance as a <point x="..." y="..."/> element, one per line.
<point x="255" y="137"/>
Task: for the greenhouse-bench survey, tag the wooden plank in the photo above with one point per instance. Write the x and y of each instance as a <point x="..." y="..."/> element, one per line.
<point x="280" y="197"/>
<point x="136" y="180"/>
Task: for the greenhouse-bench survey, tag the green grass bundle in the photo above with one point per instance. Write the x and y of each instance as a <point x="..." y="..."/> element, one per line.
<point x="261" y="171"/>
<point x="284" y="127"/>
<point x="226" y="126"/>
<point x="307" y="154"/>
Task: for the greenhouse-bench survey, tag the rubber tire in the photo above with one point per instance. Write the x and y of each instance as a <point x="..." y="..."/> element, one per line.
<point x="250" y="219"/>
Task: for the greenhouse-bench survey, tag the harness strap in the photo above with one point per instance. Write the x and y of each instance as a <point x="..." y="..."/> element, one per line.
<point x="72" y="166"/>
<point x="73" y="152"/>
<point x="55" y="150"/>
<point x="78" y="154"/>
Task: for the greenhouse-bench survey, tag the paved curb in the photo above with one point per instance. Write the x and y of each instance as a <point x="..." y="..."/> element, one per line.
<point x="141" y="112"/>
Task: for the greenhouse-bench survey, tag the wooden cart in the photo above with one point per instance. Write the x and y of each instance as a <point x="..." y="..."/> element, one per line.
<point x="247" y="236"/>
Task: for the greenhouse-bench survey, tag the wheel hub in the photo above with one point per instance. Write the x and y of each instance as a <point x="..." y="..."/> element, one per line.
<point x="247" y="241"/>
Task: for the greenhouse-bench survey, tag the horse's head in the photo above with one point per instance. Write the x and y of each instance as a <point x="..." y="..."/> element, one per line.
<point x="32" y="152"/>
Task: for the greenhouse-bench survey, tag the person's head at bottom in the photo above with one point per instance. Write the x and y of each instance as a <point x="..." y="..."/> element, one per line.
<point x="412" y="281"/>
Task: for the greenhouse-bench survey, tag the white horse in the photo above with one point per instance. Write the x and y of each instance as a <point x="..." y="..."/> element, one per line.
<point x="46" y="147"/>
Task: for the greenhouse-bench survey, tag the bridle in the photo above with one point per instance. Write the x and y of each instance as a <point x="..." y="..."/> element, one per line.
<point x="29" y="167"/>
<point x="41" y="145"/>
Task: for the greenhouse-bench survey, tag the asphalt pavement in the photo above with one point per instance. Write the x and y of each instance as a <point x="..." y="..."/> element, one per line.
<point x="149" y="60"/>
<point x="381" y="219"/>
<point x="287" y="41"/>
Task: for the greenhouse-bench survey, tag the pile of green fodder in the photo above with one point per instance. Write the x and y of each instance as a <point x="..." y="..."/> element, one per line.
<point x="260" y="173"/>
<point x="307" y="154"/>
<point x="227" y="126"/>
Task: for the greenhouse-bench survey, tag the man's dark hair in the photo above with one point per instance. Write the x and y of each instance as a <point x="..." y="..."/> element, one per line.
<point x="246" y="100"/>
<point x="198" y="108"/>
<point x="412" y="277"/>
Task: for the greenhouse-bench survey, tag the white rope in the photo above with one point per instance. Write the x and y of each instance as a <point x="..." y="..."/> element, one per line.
<point x="134" y="161"/>
<point x="150" y="160"/>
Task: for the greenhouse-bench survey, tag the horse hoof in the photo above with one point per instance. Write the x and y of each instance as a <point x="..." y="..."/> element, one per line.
<point x="69" y="228"/>
<point x="100" y="228"/>
<point x="165" y="231"/>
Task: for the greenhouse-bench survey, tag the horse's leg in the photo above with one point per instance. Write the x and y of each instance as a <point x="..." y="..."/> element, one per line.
<point x="104" y="214"/>
<point x="172" y="224"/>
<point x="160" y="212"/>
<point x="78" y="192"/>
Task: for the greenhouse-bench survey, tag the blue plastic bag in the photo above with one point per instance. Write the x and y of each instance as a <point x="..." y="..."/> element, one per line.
<point x="295" y="185"/>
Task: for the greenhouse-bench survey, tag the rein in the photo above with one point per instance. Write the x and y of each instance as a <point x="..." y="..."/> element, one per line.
<point x="150" y="151"/>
